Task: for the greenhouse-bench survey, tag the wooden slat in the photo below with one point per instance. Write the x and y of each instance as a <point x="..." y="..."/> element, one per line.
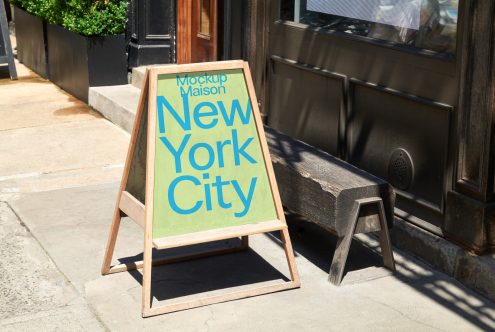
<point x="289" y="254"/>
<point x="133" y="208"/>
<point x="194" y="67"/>
<point x="218" y="234"/>
<point x="114" y="228"/>
<point x="327" y="186"/>
<point x="150" y="187"/>
<point x="220" y="298"/>
<point x="263" y="143"/>
<point x="176" y="259"/>
<point x="291" y="261"/>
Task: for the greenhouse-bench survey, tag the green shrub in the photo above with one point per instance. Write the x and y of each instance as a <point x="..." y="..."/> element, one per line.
<point x="86" y="17"/>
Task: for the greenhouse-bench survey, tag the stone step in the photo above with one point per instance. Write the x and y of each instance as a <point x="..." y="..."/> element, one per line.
<point x="138" y="76"/>
<point x="117" y="103"/>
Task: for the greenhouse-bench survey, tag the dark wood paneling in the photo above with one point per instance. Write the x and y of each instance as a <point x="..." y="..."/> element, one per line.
<point x="158" y="14"/>
<point x="417" y="74"/>
<point x="382" y="120"/>
<point x="475" y="172"/>
<point x="151" y="32"/>
<point x="256" y="50"/>
<point x="307" y="103"/>
<point x="184" y="9"/>
<point x="204" y="34"/>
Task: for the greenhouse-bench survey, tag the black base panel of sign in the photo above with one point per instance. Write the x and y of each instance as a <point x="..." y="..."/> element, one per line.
<point x="136" y="183"/>
<point x="6" y="56"/>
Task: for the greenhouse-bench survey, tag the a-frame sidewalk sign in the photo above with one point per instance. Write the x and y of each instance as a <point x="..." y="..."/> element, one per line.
<point x="6" y="55"/>
<point x="198" y="170"/>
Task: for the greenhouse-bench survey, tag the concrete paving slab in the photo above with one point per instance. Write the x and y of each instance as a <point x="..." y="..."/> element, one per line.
<point x="416" y="298"/>
<point x="46" y="113"/>
<point x="29" y="282"/>
<point x="61" y="147"/>
<point x="14" y="186"/>
<point x="23" y="72"/>
<point x="41" y="90"/>
<point x="34" y="295"/>
<point x="75" y="240"/>
<point x="72" y="318"/>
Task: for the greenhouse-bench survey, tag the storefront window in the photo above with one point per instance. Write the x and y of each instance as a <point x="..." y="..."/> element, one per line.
<point x="423" y="24"/>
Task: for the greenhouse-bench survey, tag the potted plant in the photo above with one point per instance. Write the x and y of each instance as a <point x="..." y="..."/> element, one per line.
<point x="85" y="42"/>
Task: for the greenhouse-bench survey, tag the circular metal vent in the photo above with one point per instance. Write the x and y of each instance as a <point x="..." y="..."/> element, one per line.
<point x="400" y="169"/>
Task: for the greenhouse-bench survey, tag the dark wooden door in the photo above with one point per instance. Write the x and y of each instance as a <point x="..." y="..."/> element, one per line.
<point x="204" y="30"/>
<point x="197" y="31"/>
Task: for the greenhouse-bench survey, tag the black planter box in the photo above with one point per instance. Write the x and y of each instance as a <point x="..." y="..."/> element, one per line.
<point x="77" y="62"/>
<point x="30" y="32"/>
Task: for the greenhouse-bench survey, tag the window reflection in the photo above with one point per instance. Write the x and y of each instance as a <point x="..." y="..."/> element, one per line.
<point x="437" y="21"/>
<point x="204" y="26"/>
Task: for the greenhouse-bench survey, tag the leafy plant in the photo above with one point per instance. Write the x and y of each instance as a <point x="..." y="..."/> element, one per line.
<point x="86" y="17"/>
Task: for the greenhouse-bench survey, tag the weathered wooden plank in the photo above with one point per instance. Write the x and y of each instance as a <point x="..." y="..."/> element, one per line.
<point x="326" y="186"/>
<point x="132" y="208"/>
<point x="218" y="234"/>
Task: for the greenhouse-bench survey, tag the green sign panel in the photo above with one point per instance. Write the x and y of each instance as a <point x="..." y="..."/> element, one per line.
<point x="209" y="167"/>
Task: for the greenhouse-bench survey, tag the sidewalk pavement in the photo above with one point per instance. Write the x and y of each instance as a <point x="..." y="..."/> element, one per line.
<point x="60" y="167"/>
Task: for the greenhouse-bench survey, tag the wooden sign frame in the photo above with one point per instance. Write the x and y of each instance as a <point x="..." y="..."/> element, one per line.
<point x="142" y="214"/>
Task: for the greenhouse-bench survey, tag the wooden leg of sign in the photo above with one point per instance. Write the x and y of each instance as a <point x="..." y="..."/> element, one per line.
<point x="148" y="262"/>
<point x="220" y="298"/>
<point x="112" y="238"/>
<point x="289" y="254"/>
<point x="147" y="259"/>
<point x="148" y="311"/>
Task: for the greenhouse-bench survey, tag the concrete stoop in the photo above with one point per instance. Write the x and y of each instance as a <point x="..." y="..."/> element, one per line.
<point x="116" y="103"/>
<point x="119" y="104"/>
<point x="137" y="79"/>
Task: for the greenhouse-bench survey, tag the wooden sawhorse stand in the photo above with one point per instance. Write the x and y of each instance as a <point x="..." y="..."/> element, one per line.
<point x="339" y="197"/>
<point x="358" y="223"/>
